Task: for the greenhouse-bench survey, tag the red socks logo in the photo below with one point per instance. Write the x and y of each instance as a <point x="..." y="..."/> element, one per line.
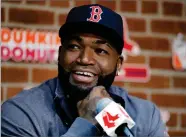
<point x="108" y="119"/>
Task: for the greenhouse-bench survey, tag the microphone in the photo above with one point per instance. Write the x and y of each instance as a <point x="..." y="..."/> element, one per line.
<point x="113" y="118"/>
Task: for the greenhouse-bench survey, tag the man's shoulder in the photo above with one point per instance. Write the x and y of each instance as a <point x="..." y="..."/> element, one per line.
<point x="36" y="95"/>
<point x="31" y="110"/>
<point x="135" y="104"/>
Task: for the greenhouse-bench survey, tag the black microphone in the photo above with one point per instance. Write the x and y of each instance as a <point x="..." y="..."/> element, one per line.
<point x="123" y="130"/>
<point x="113" y="118"/>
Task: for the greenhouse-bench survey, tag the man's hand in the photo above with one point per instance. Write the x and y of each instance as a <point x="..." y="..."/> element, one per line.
<point x="87" y="106"/>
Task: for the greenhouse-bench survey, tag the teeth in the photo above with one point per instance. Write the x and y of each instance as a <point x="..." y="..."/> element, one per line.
<point x="78" y="72"/>
<point x="84" y="73"/>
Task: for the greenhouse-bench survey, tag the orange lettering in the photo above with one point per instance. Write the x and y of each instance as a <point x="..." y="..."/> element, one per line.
<point x="5" y="35"/>
<point x="58" y="40"/>
<point x="17" y="35"/>
<point x="30" y="37"/>
<point x="41" y="37"/>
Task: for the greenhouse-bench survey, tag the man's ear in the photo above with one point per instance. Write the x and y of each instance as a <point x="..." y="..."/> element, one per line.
<point x="119" y="63"/>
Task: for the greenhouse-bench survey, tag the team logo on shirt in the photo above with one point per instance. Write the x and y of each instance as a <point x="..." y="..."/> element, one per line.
<point x="95" y="14"/>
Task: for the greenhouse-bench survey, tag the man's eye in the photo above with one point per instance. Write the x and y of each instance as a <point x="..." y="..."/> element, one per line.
<point x="101" y="51"/>
<point x="72" y="47"/>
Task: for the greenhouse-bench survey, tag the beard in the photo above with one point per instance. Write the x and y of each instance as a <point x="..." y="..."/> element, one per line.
<point x="78" y="92"/>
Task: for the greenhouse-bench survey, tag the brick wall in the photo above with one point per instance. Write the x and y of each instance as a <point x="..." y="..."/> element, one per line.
<point x="152" y="24"/>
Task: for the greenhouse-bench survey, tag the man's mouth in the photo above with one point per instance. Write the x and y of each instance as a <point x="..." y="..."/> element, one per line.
<point x="83" y="77"/>
<point x="88" y="74"/>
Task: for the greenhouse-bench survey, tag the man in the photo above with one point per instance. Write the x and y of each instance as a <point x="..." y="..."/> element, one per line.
<point x="89" y="59"/>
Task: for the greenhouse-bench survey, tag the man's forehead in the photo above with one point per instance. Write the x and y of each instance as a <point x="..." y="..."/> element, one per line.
<point x="95" y="39"/>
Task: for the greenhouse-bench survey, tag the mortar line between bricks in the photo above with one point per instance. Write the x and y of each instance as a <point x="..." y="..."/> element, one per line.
<point x="175" y="129"/>
<point x="167" y="73"/>
<point x="154" y="34"/>
<point x="56" y="18"/>
<point x="147" y="60"/>
<point x="152" y="17"/>
<point x="160" y="8"/>
<point x="36" y="7"/>
<point x="23" y="65"/>
<point x="118" y="5"/>
<point x="159" y="91"/>
<point x="179" y="1"/>
<point x="47" y="3"/>
<point x="184" y="9"/>
<point x="159" y="53"/>
<point x="17" y="85"/>
<point x="6" y="15"/>
<point x="139" y="90"/>
<point x="30" y="86"/>
<point x="23" y="2"/>
<point x="148" y="27"/>
<point x="14" y="84"/>
<point x="171" y="128"/>
<point x="29" y="75"/>
<point x="171" y="83"/>
<point x="178" y="122"/>
<point x="33" y="26"/>
<point x="174" y="110"/>
<point x="138" y="6"/>
<point x="149" y="94"/>
<point x="93" y="1"/>
<point x="71" y="3"/>
<point x="5" y="93"/>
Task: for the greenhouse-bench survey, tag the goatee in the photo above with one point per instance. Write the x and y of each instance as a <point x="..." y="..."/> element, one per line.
<point x="79" y="92"/>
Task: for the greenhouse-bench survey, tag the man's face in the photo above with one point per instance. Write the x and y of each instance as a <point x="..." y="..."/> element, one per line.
<point x="88" y="59"/>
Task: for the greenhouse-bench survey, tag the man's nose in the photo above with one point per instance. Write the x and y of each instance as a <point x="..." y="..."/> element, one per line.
<point x="86" y="57"/>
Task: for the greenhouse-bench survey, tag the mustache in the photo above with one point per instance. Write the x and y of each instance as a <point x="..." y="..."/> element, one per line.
<point x="92" y="68"/>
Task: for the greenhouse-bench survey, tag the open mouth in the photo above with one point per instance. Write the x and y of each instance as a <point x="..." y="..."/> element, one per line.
<point x="87" y="74"/>
<point x="83" y="77"/>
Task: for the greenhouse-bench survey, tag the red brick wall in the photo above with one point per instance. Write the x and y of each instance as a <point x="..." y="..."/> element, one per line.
<point x="152" y="24"/>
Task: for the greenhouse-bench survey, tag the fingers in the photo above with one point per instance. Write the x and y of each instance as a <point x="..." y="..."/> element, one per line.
<point x="82" y="106"/>
<point x="87" y="106"/>
<point x="105" y="93"/>
<point x="98" y="91"/>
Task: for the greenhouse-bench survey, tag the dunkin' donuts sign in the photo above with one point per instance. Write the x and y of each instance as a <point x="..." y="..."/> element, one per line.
<point x="42" y="47"/>
<point x="25" y="45"/>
